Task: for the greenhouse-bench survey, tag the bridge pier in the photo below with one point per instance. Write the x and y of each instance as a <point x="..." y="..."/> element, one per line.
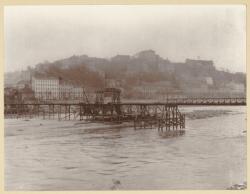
<point x="166" y="116"/>
<point x="163" y="115"/>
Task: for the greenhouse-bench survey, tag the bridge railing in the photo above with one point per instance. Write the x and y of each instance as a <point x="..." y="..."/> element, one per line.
<point x="206" y="101"/>
<point x="177" y="101"/>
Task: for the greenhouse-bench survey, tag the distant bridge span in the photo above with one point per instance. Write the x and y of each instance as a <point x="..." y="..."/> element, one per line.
<point x="196" y="102"/>
<point x="161" y="114"/>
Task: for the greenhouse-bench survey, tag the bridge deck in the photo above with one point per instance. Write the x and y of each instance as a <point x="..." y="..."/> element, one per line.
<point x="173" y="101"/>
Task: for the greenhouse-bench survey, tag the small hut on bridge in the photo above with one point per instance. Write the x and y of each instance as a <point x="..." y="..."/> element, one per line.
<point x="108" y="95"/>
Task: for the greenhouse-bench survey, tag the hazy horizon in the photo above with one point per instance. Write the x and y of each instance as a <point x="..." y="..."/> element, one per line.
<point x="34" y="34"/>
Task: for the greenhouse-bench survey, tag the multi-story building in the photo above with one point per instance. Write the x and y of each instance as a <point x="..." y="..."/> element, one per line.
<point x="77" y="93"/>
<point x="64" y="89"/>
<point x="68" y="90"/>
<point x="51" y="88"/>
<point x="22" y="84"/>
<point x="46" y="88"/>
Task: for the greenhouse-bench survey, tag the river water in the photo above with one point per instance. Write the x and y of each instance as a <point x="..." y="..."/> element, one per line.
<point x="68" y="155"/>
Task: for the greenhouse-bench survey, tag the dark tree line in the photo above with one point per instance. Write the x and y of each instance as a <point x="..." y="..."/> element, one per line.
<point x="80" y="75"/>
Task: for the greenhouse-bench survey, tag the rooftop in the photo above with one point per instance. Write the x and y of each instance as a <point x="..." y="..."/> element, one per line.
<point x="43" y="77"/>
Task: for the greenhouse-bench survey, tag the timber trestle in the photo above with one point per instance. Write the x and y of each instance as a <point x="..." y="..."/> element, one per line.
<point x="163" y="115"/>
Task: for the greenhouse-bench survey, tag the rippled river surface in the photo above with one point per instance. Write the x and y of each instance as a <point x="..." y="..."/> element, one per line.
<point x="66" y="155"/>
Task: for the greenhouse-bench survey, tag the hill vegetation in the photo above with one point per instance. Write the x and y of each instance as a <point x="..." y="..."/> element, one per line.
<point x="145" y="67"/>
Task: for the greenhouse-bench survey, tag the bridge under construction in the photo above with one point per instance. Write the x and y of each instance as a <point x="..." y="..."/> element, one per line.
<point x="164" y="115"/>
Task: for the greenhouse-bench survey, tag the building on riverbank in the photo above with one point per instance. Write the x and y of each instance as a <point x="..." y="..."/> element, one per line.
<point x="52" y="88"/>
<point x="45" y="87"/>
<point x="16" y="95"/>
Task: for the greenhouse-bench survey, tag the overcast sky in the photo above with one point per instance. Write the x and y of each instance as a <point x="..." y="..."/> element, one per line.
<point x="34" y="34"/>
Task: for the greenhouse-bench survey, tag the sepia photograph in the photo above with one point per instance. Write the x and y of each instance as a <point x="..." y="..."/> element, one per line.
<point x="125" y="97"/>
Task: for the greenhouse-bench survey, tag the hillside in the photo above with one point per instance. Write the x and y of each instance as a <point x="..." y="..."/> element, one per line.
<point x="145" y="69"/>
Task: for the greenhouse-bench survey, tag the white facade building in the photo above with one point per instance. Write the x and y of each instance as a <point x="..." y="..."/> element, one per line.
<point x="45" y="88"/>
<point x="77" y="93"/>
<point x="64" y="90"/>
<point x="54" y="89"/>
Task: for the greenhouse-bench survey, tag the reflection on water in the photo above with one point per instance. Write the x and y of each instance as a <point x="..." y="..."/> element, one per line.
<point x="53" y="155"/>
